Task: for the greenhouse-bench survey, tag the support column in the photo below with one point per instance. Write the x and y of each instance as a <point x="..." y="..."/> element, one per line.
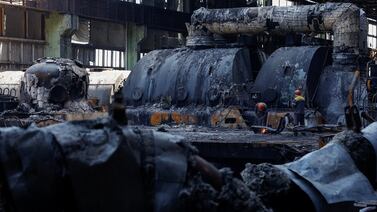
<point x="135" y="34"/>
<point x="59" y="29"/>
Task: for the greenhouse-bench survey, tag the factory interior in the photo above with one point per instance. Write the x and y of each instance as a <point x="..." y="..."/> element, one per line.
<point x="188" y="105"/>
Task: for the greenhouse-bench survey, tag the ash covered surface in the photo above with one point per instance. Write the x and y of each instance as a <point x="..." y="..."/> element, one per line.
<point x="303" y="142"/>
<point x="234" y="148"/>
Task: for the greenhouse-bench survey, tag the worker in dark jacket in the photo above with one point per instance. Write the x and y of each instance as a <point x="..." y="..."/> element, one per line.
<point x="299" y="104"/>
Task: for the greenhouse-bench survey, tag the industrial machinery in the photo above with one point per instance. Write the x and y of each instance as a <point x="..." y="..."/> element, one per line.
<point x="221" y="74"/>
<point x="51" y="91"/>
<point x="52" y="83"/>
<point x="102" y="85"/>
<point x="54" y="90"/>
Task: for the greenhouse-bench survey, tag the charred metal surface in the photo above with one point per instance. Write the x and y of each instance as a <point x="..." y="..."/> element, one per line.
<point x="55" y="168"/>
<point x="182" y="77"/>
<point x="332" y="93"/>
<point x="288" y="69"/>
<point x="347" y="21"/>
<point x="54" y="83"/>
<point x="220" y="77"/>
<point x="328" y="176"/>
<point x="46" y="170"/>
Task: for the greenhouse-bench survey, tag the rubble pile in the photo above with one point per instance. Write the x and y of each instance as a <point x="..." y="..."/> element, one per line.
<point x="102" y="166"/>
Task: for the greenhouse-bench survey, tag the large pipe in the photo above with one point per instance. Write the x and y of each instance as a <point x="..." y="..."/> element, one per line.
<point x="347" y="22"/>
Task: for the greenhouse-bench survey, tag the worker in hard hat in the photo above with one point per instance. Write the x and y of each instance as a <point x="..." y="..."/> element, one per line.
<point x="299" y="105"/>
<point x="261" y="113"/>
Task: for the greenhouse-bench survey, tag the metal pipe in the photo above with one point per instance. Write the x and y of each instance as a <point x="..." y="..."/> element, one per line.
<point x="345" y="20"/>
<point x="209" y="172"/>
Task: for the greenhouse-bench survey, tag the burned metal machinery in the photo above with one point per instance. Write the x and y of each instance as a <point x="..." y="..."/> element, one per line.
<point x="203" y="82"/>
<point x="52" y="82"/>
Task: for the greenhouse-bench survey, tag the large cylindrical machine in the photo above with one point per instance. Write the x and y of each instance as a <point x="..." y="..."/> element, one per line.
<point x="211" y="72"/>
<point x="288" y="69"/>
<point x="183" y="77"/>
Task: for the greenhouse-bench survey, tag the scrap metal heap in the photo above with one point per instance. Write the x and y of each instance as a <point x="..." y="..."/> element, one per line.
<point x="102" y="166"/>
<point x="54" y="84"/>
<point x="50" y="90"/>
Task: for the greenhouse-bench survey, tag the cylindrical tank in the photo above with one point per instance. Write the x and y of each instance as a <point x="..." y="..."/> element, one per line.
<point x="186" y="76"/>
<point x="288" y="69"/>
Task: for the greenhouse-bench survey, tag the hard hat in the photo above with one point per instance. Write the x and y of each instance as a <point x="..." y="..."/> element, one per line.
<point x="298" y="92"/>
<point x="261" y="106"/>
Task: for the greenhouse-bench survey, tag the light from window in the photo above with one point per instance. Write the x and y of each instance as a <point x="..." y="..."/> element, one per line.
<point x="109" y="58"/>
<point x="372" y="30"/>
<point x="372" y="35"/>
<point x="282" y="3"/>
<point x="372" y="42"/>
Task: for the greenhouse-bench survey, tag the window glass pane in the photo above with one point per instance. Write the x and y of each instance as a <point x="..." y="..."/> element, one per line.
<point x="372" y="29"/>
<point x="108" y="58"/>
<point x="122" y="60"/>
<point x="372" y="42"/>
<point x="100" y="57"/>
<point x="369" y="42"/>
<point x="275" y="2"/>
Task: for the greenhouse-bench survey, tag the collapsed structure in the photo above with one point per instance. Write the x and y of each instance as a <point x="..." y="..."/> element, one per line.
<point x="221" y="68"/>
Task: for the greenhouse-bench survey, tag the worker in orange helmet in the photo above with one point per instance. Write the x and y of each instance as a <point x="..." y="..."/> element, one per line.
<point x="261" y="113"/>
<point x="299" y="105"/>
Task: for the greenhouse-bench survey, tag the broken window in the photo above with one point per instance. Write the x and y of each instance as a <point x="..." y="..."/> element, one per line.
<point x="15" y="22"/>
<point x="35" y="25"/>
<point x="20" y="23"/>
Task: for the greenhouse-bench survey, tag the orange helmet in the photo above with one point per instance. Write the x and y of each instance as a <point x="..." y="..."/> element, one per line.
<point x="261" y="106"/>
<point x="298" y="92"/>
